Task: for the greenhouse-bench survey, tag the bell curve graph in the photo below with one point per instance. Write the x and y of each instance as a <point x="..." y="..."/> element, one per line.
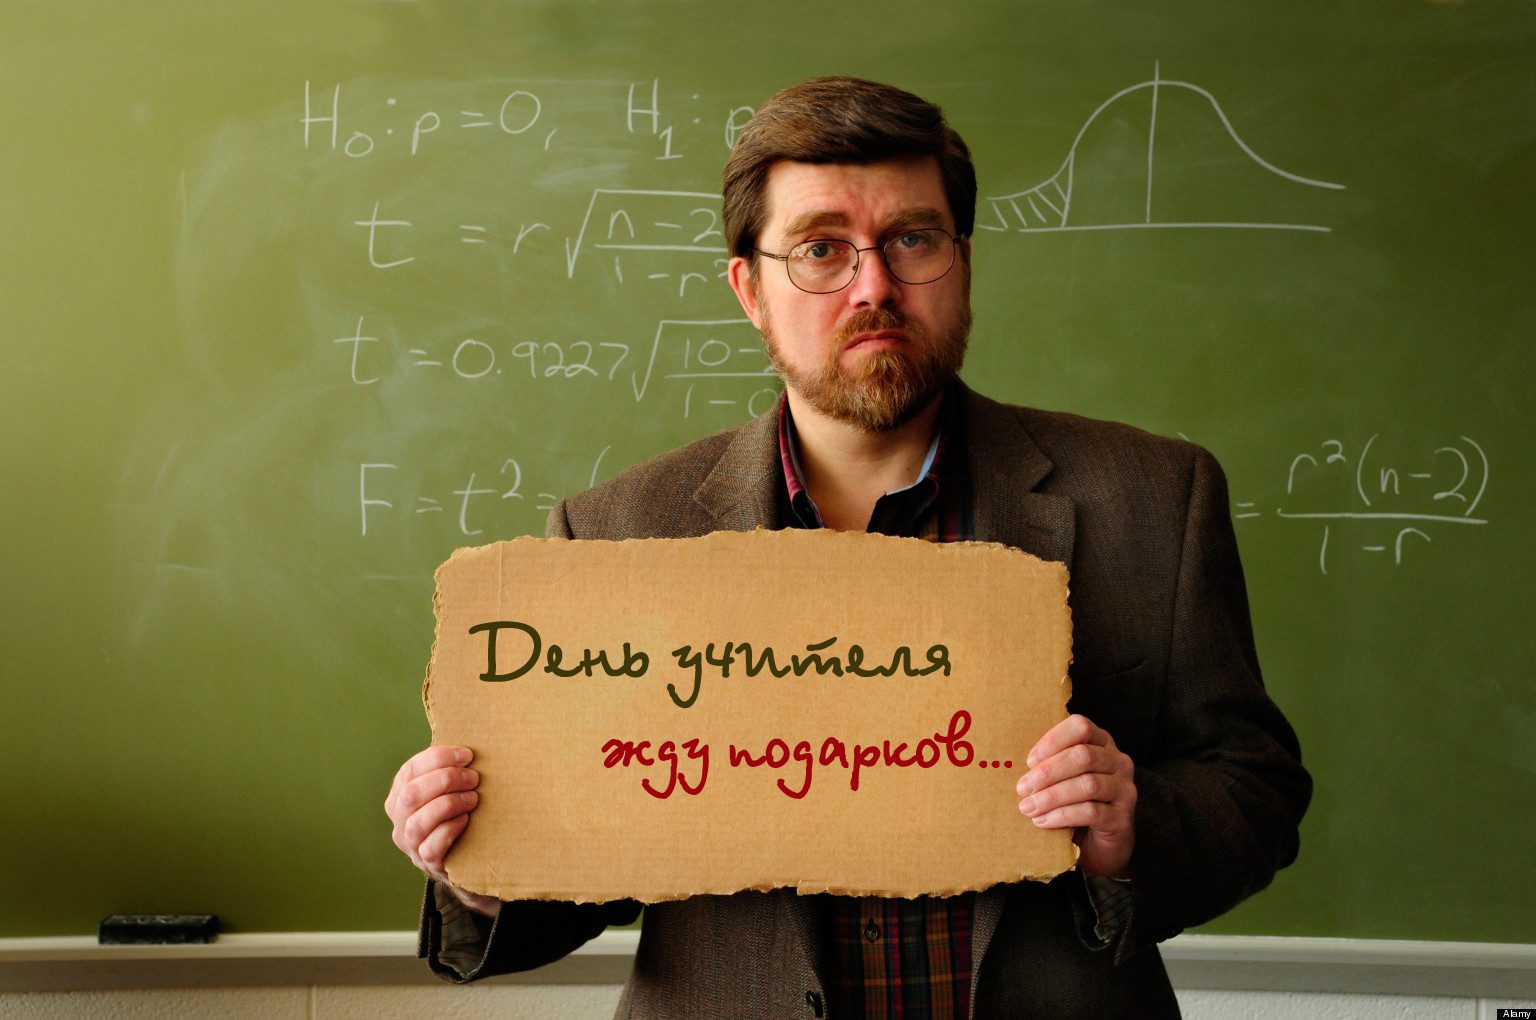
<point x="1048" y="206"/>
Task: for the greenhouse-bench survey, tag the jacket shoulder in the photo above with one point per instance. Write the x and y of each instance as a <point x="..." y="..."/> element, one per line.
<point x="1063" y="429"/>
<point x="1095" y="457"/>
<point x="656" y="497"/>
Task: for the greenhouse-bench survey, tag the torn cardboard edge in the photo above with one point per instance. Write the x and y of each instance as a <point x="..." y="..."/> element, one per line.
<point x="578" y="799"/>
<point x="811" y="888"/>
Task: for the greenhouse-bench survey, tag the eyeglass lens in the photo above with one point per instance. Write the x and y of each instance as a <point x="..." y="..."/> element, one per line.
<point x="917" y="256"/>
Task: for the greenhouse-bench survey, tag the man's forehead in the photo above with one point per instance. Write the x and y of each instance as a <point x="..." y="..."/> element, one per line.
<point x="836" y="219"/>
<point x="898" y="191"/>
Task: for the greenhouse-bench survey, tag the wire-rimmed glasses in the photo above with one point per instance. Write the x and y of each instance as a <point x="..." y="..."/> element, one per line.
<point x="825" y="265"/>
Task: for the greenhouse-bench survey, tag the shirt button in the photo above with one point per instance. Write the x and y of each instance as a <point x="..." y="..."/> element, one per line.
<point x="814" y="1001"/>
<point x="871" y="931"/>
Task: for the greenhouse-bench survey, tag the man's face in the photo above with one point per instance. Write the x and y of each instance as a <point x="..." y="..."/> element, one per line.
<point x="877" y="352"/>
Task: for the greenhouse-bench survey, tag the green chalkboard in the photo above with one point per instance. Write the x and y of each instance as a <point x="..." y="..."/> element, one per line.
<point x="299" y="297"/>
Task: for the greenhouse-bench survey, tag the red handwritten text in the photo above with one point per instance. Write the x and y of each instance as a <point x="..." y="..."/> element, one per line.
<point x="927" y="753"/>
<point x="622" y="753"/>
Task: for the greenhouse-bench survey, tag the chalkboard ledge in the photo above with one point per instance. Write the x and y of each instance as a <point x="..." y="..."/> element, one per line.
<point x="282" y="959"/>
<point x="1203" y="962"/>
<point x="1264" y="963"/>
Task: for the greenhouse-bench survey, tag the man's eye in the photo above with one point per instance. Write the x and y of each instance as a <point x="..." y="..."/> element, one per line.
<point x="913" y="239"/>
<point x="817" y="251"/>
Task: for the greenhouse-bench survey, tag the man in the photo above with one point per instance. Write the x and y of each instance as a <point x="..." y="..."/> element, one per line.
<point x="848" y="206"/>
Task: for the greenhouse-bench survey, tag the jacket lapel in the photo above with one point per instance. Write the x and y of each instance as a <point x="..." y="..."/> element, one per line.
<point x="740" y="493"/>
<point x="1006" y="467"/>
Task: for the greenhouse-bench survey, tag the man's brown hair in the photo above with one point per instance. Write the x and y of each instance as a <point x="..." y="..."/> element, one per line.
<point x="840" y="120"/>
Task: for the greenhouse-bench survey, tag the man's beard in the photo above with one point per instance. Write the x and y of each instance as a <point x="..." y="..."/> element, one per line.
<point x="891" y="386"/>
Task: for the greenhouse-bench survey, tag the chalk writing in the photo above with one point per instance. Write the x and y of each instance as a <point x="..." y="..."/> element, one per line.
<point x="716" y="363"/>
<point x="476" y="358"/>
<point x="646" y="243"/>
<point x="707" y="349"/>
<point x="379" y="487"/>
<point x="652" y="221"/>
<point x="358" y="128"/>
<point x="1048" y="206"/>
<point x="1400" y="502"/>
<point x="517" y="112"/>
<point x="391" y="236"/>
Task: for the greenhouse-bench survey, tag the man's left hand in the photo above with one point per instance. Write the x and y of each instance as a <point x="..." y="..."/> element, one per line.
<point x="1077" y="777"/>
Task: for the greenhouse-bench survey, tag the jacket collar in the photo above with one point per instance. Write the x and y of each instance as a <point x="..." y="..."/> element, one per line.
<point x="1008" y="471"/>
<point x="1004" y="462"/>
<point x="741" y="492"/>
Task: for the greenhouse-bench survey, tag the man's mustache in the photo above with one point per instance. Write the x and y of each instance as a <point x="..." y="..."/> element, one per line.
<point x="869" y="321"/>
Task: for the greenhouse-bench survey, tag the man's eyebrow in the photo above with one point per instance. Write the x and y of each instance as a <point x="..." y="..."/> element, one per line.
<point x="925" y="216"/>
<point x="815" y="221"/>
<point x="922" y="215"/>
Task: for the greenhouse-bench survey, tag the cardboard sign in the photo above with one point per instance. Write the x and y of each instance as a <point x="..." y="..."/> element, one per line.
<point x="825" y="711"/>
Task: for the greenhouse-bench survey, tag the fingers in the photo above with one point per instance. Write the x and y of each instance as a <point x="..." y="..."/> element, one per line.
<point x="439" y="783"/>
<point x="1074" y="729"/>
<point x="433" y="850"/>
<point x="1084" y="801"/>
<point x="1079" y="779"/>
<point x="429" y="804"/>
<point x="1074" y="762"/>
<point x="436" y="757"/>
<point x="418" y="765"/>
<point x="1078" y="775"/>
<point x="428" y="835"/>
<point x="1072" y="784"/>
<point x="1077" y="760"/>
<point x="434" y="813"/>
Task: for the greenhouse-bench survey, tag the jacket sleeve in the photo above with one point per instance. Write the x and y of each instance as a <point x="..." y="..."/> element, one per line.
<point x="1222" y="792"/>
<point x="461" y="945"/>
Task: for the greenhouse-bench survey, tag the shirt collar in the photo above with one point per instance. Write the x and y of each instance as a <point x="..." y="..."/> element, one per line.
<point x="921" y="491"/>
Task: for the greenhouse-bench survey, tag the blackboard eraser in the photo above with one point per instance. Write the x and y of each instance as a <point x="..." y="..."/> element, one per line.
<point x="157" y="929"/>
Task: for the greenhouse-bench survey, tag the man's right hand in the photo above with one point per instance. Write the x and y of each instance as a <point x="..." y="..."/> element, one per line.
<point x="429" y="804"/>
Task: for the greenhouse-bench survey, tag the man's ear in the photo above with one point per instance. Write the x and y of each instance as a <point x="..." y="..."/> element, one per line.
<point x="739" y="272"/>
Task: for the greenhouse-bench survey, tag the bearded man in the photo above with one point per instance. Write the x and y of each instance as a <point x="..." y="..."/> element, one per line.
<point x="848" y="207"/>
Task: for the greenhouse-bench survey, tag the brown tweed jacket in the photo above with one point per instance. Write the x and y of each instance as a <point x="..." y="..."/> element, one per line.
<point x="1163" y="659"/>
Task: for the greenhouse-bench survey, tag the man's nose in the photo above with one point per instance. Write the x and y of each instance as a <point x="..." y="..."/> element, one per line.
<point x="873" y="286"/>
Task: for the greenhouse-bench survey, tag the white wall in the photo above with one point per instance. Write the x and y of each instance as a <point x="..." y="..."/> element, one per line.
<point x="582" y="1002"/>
<point x="374" y="976"/>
